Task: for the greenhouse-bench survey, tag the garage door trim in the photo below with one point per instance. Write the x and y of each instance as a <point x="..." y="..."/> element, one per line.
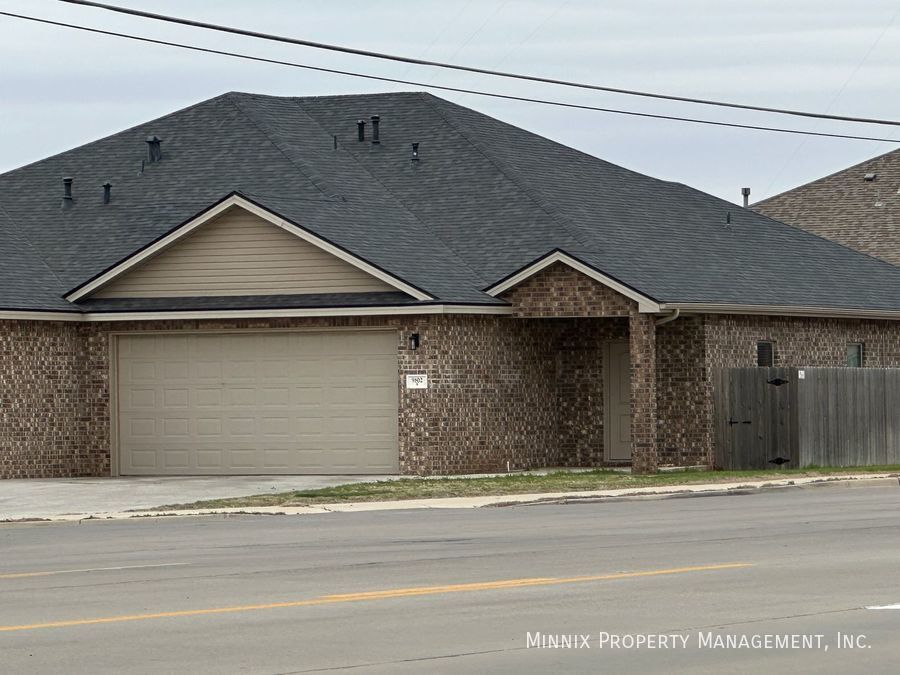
<point x="113" y="355"/>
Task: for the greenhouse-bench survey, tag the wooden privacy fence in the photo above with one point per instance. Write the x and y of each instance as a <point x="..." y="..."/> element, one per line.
<point x="809" y="416"/>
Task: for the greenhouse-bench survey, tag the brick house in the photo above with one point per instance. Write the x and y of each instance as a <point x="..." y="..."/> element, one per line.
<point x="389" y="283"/>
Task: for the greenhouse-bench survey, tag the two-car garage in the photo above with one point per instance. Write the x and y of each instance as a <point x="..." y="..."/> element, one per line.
<point x="274" y="402"/>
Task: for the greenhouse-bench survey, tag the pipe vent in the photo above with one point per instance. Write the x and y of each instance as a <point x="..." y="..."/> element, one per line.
<point x="67" y="199"/>
<point x="154" y="149"/>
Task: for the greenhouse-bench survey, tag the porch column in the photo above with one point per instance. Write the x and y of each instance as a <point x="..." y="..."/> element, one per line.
<point x="642" y="343"/>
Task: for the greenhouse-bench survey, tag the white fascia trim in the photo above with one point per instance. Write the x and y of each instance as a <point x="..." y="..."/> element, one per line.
<point x="645" y="304"/>
<point x="278" y="221"/>
<point x="300" y="312"/>
<point x="12" y="315"/>
<point x="779" y="310"/>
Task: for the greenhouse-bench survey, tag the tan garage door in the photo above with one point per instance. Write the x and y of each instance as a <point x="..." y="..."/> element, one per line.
<point x="258" y="403"/>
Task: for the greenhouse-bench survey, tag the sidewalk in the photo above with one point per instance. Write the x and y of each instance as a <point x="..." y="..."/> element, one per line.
<point x="52" y="498"/>
<point x="856" y="480"/>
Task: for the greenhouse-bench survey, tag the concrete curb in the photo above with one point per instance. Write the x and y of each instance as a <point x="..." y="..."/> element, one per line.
<point x="852" y="480"/>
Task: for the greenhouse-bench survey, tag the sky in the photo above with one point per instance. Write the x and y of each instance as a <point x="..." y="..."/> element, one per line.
<point x="60" y="88"/>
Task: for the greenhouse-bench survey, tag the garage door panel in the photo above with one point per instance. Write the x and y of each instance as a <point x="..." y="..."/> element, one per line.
<point x="238" y="427"/>
<point x="274" y="397"/>
<point x="209" y="426"/>
<point x="258" y="403"/>
<point x="176" y="427"/>
<point x="207" y="397"/>
<point x="177" y="459"/>
<point x="239" y="396"/>
<point x="203" y="370"/>
<point x="209" y="459"/>
<point x="175" y="398"/>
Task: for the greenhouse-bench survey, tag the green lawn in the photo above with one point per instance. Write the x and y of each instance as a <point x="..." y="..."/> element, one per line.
<point x="562" y="481"/>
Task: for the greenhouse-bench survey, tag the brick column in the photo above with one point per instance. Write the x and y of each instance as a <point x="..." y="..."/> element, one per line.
<point x="642" y="342"/>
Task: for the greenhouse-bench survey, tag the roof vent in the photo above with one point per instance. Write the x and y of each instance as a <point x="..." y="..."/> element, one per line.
<point x="415" y="152"/>
<point x="375" y="120"/>
<point x="107" y="192"/>
<point x="360" y="130"/>
<point x="154" y="149"/>
<point x="746" y="194"/>
<point x="67" y="192"/>
<point x="869" y="177"/>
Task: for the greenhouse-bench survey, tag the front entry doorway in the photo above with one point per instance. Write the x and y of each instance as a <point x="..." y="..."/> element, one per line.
<point x="617" y="402"/>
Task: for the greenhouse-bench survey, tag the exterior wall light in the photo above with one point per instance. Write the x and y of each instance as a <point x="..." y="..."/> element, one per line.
<point x="414" y="341"/>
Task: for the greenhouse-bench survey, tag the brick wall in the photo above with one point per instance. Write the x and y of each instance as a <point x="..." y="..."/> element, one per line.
<point x="682" y="392"/>
<point x="561" y="291"/>
<point x="644" y="418"/>
<point x="47" y="401"/>
<point x="800" y="341"/>
<point x="502" y="389"/>
<point x="491" y="396"/>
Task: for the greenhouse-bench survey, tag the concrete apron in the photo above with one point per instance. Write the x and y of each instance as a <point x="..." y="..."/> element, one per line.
<point x="845" y="481"/>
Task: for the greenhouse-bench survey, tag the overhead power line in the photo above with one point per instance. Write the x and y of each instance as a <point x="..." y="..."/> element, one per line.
<point x="476" y="92"/>
<point x="469" y="69"/>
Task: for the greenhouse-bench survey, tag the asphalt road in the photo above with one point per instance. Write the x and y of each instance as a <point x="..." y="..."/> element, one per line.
<point x="460" y="591"/>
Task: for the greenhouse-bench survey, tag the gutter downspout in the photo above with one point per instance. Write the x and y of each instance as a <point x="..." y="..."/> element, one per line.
<point x="668" y="319"/>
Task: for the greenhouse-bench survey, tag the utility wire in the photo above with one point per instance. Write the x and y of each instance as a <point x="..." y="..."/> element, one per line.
<point x="470" y="69"/>
<point x="802" y="143"/>
<point x="476" y="92"/>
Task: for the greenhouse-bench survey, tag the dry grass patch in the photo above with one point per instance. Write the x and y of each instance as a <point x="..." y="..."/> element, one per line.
<point x="521" y="483"/>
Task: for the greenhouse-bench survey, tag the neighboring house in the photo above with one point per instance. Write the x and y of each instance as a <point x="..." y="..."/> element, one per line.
<point x="858" y="207"/>
<point x="255" y="284"/>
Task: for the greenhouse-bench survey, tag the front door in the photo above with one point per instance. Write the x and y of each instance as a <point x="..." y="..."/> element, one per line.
<point x="617" y="402"/>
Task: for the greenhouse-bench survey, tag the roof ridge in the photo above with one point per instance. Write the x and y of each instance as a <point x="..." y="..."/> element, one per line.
<point x="407" y="92"/>
<point x="526" y="190"/>
<point x="117" y="133"/>
<point x="318" y="183"/>
<point x="19" y="231"/>
<point x="397" y="199"/>
<point x="547" y="139"/>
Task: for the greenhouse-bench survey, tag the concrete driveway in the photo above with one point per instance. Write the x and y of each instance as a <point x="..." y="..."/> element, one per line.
<point x="43" y="498"/>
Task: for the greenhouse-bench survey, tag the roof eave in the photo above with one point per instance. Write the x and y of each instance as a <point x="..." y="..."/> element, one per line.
<point x="267" y="313"/>
<point x="781" y="310"/>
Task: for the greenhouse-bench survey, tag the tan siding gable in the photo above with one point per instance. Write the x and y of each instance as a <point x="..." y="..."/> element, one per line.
<point x="239" y="253"/>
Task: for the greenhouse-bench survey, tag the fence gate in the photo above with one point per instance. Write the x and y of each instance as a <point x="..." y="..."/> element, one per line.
<point x="808" y="416"/>
<point x="755" y="417"/>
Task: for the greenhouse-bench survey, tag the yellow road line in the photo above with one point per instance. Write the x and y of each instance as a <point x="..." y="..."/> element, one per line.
<point x="379" y="595"/>
<point x="47" y="573"/>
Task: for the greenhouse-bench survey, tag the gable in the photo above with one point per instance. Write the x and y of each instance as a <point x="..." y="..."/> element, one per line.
<point x="240" y="253"/>
<point x="562" y="291"/>
<point x="558" y="284"/>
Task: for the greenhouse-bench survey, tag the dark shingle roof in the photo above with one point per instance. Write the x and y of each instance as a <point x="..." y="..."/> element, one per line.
<point x="846" y="207"/>
<point x="485" y="199"/>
